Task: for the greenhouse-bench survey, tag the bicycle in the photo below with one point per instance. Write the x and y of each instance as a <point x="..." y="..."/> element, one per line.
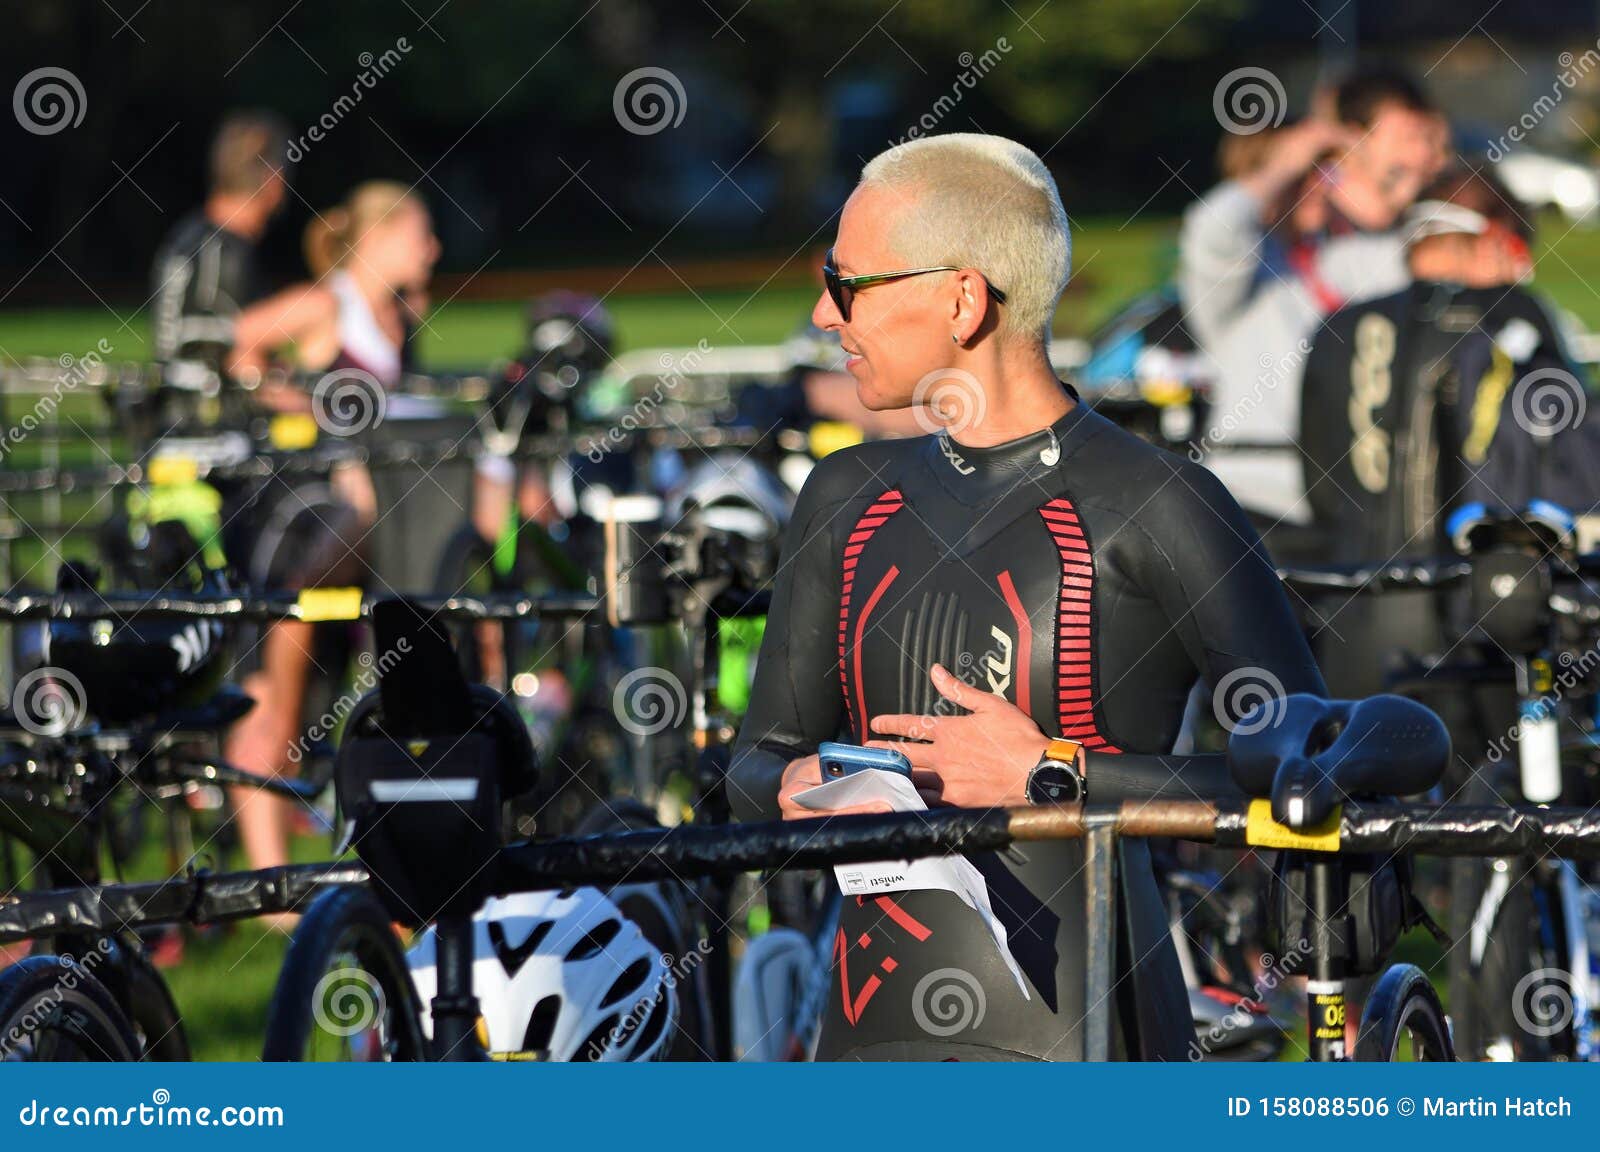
<point x="56" y="792"/>
<point x="1519" y="596"/>
<point x="699" y="575"/>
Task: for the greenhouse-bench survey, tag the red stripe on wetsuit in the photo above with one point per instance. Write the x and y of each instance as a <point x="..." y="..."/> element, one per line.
<point x="1074" y="628"/>
<point x="850" y="679"/>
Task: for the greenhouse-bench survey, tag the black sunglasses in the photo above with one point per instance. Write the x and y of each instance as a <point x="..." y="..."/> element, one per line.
<point x="842" y="289"/>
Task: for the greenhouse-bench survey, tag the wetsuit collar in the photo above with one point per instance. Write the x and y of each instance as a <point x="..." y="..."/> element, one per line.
<point x="981" y="474"/>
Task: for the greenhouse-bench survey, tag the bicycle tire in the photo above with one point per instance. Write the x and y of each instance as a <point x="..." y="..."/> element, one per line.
<point x="1404" y="1003"/>
<point x="80" y="1022"/>
<point x="664" y="912"/>
<point x="1482" y="1001"/>
<point x="467" y="567"/>
<point x="345" y="923"/>
<point x="153" y="1012"/>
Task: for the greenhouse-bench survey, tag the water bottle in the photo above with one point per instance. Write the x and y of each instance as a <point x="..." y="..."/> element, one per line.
<point x="1539" y="751"/>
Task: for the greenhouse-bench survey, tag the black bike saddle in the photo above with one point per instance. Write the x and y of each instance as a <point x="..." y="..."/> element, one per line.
<point x="1309" y="754"/>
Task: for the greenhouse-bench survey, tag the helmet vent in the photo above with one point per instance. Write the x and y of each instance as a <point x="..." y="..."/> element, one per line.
<point x="595" y="941"/>
<point x="629" y="984"/>
<point x="542" y="1024"/>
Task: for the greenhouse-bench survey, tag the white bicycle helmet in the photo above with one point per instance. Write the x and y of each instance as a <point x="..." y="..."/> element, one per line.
<point x="564" y="974"/>
<point x="738" y="496"/>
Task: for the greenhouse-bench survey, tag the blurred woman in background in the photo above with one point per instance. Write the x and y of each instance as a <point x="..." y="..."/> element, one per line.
<point x="370" y="256"/>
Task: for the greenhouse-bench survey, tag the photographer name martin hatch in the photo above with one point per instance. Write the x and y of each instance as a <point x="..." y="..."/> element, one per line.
<point x="1483" y="1106"/>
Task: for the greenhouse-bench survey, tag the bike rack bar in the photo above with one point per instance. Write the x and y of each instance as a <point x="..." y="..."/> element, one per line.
<point x="311" y="604"/>
<point x="202" y="898"/>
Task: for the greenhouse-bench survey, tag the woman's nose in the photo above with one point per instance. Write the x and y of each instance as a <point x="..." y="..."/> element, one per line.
<point x="825" y="314"/>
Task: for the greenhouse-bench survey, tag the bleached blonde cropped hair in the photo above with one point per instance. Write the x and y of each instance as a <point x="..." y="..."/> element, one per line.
<point x="983" y="202"/>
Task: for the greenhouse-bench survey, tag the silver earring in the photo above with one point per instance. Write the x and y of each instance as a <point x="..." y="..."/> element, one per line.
<point x="954" y="338"/>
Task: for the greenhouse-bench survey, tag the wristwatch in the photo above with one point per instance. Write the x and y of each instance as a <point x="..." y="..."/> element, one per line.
<point x="1058" y="777"/>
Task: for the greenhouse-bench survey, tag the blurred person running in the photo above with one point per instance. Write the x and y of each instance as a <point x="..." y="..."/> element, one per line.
<point x="1307" y="226"/>
<point x="367" y="254"/>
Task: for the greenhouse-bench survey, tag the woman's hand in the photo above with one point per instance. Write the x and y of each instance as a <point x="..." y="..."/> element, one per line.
<point x="804" y="773"/>
<point x="977" y="761"/>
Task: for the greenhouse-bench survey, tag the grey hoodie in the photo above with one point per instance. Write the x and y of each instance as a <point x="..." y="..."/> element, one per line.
<point x="1257" y="322"/>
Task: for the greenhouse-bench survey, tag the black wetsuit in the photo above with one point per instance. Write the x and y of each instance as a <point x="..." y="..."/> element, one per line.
<point x="1413" y="405"/>
<point x="1090" y="578"/>
<point x="201" y="277"/>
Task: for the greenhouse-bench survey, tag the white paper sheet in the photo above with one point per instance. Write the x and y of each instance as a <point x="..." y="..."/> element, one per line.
<point x="947" y="873"/>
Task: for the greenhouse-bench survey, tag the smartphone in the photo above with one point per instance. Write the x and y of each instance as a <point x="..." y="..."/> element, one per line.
<point x="841" y="760"/>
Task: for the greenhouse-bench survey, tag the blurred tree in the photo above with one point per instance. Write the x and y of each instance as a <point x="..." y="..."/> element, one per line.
<point x="1051" y="72"/>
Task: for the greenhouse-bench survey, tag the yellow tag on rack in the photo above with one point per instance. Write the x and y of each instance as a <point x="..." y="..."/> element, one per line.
<point x="828" y="436"/>
<point x="292" y="431"/>
<point x="1165" y="393"/>
<point x="1262" y="831"/>
<point x="165" y="470"/>
<point x="329" y="604"/>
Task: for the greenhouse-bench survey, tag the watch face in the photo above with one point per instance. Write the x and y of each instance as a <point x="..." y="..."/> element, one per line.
<point x="1054" y="783"/>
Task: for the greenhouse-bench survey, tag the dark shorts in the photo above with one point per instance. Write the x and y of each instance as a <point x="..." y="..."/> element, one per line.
<point x="281" y="536"/>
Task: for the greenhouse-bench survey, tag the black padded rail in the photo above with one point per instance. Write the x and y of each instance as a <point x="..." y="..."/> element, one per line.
<point x="280" y="606"/>
<point x="200" y="899"/>
<point x="691" y="851"/>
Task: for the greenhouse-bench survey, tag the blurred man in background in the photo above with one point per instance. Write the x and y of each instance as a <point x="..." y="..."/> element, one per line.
<point x="205" y="270"/>
<point x="1305" y="227"/>
<point x="1457" y="389"/>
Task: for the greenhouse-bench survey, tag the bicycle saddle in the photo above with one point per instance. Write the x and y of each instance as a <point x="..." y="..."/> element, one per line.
<point x="1309" y="754"/>
<point x="421" y="693"/>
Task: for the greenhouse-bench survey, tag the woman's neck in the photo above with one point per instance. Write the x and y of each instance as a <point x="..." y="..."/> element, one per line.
<point x="377" y="291"/>
<point x="1021" y="395"/>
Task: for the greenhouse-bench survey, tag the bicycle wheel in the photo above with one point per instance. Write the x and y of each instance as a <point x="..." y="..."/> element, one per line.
<point x="663" y="910"/>
<point x="467" y="569"/>
<point x="1403" y="1019"/>
<point x="1495" y="919"/>
<point x="153" y="1013"/>
<point x="52" y="1009"/>
<point x="344" y="993"/>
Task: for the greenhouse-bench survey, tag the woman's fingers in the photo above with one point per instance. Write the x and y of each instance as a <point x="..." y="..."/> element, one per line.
<point x="959" y="693"/>
<point x="907" y="724"/>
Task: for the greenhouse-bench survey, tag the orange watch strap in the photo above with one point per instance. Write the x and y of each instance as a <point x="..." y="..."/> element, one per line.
<point x="1066" y="751"/>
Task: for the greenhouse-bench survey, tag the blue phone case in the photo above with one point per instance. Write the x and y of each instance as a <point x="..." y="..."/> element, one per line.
<point x="841" y="760"/>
